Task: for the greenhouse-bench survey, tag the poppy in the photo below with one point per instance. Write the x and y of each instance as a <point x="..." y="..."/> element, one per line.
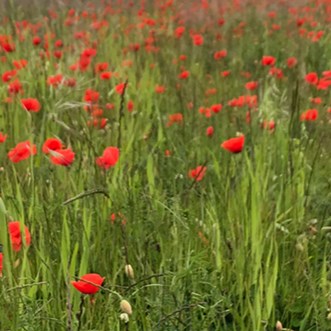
<point x="89" y="283"/>
<point x="197" y="39"/>
<point x="22" y="151"/>
<point x="311" y="78"/>
<point x="109" y="158"/>
<point x="15" y="87"/>
<point x="120" y="88"/>
<point x="184" y="74"/>
<point x="52" y="144"/>
<point x="210" y="131"/>
<point x="198" y="173"/>
<point x="291" y="62"/>
<point x="220" y="54"/>
<point x="309" y="115"/>
<point x="14" y="229"/>
<point x="3" y="138"/>
<point x="31" y="105"/>
<point x="175" y="118"/>
<point x="130" y="105"/>
<point x="64" y="157"/>
<point x="268" y="60"/>
<point x="251" y="85"/>
<point x="8" y="75"/>
<point x="234" y="145"/>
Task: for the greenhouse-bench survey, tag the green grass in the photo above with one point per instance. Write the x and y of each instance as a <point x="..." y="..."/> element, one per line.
<point x="241" y="249"/>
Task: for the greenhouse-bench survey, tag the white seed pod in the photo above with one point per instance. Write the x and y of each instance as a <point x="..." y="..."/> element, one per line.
<point x="129" y="271"/>
<point x="126" y="307"/>
<point x="279" y="326"/>
<point x="124" y="317"/>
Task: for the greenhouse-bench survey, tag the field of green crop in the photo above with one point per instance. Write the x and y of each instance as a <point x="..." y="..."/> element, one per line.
<point x="165" y="165"/>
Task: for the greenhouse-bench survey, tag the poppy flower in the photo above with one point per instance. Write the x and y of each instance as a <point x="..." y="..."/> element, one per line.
<point x="120" y="88"/>
<point x="184" y="74"/>
<point x="52" y="144"/>
<point x="175" y="118"/>
<point x="268" y="60"/>
<point x="64" y="157"/>
<point x="14" y="229"/>
<point x="251" y="85"/>
<point x="220" y="54"/>
<point x="311" y="78"/>
<point x="130" y="105"/>
<point x="198" y="173"/>
<point x="234" y="145"/>
<point x="22" y="151"/>
<point x="109" y="158"/>
<point x="89" y="283"/>
<point x="3" y="137"/>
<point x="291" y="62"/>
<point x="15" y="87"/>
<point x="309" y="115"/>
<point x="8" y="75"/>
<point x="31" y="105"/>
<point x="197" y="39"/>
<point x="210" y="131"/>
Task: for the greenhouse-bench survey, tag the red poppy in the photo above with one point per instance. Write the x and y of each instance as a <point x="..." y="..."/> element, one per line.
<point x="22" y="151"/>
<point x="14" y="229"/>
<point x="52" y="144"/>
<point x="220" y="54"/>
<point x="210" y="131"/>
<point x="198" y="173"/>
<point x="234" y="145"/>
<point x="31" y="105"/>
<point x="175" y="118"/>
<point x="311" y="78"/>
<point x="197" y="39"/>
<point x="64" y="157"/>
<point x="268" y="60"/>
<point x="216" y="108"/>
<point x="15" y="87"/>
<point x="8" y="75"/>
<point x="106" y="75"/>
<point x="20" y="64"/>
<point x="89" y="283"/>
<point x="309" y="115"/>
<point x="179" y="31"/>
<point x="291" y="62"/>
<point x="251" y="85"/>
<point x="109" y="158"/>
<point x="184" y="74"/>
<point x="91" y="95"/>
<point x="120" y="88"/>
<point x="130" y="105"/>
<point x="159" y="89"/>
<point x="3" y="137"/>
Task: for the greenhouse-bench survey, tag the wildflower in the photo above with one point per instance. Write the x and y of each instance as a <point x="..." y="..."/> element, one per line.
<point x="129" y="271"/>
<point x="309" y="115"/>
<point x="175" y="118"/>
<point x="220" y="54"/>
<point x="210" y="131"/>
<point x="126" y="307"/>
<point x="22" y="151"/>
<point x="234" y="145"/>
<point x="109" y="158"/>
<point x="251" y="85"/>
<point x="268" y="60"/>
<point x="311" y="78"/>
<point x="64" y="157"/>
<point x="198" y="173"/>
<point x="89" y="283"/>
<point x="14" y="229"/>
<point x="31" y="105"/>
<point x="120" y="88"/>
<point x="197" y="39"/>
<point x="51" y="144"/>
<point x="3" y="138"/>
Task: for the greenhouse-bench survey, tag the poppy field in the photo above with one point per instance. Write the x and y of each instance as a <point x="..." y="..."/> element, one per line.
<point x="165" y="165"/>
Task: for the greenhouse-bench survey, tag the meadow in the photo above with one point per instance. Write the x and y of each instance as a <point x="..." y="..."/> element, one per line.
<point x="165" y="165"/>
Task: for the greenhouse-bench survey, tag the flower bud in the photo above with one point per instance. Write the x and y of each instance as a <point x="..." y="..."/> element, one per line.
<point x="129" y="271"/>
<point x="124" y="317"/>
<point x="279" y="326"/>
<point x="126" y="307"/>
